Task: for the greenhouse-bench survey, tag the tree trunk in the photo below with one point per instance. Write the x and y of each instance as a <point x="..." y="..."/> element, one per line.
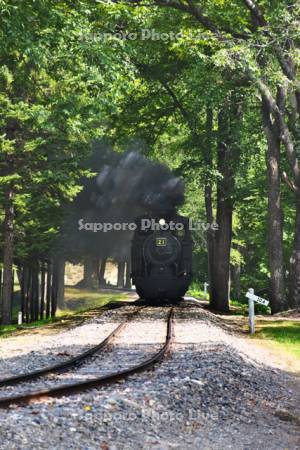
<point x="128" y="274"/>
<point x="43" y="280"/>
<point x="208" y="194"/>
<point x="88" y="273"/>
<point x="294" y="294"/>
<point x="1" y="291"/>
<point x="102" y="281"/>
<point x="121" y="273"/>
<point x="60" y="280"/>
<point x="27" y="294"/>
<point x="49" y="289"/>
<point x="220" y="267"/>
<point x="8" y="258"/>
<point x="36" y="291"/>
<point x="275" y="220"/>
<point x="54" y="291"/>
<point x="31" y="294"/>
<point x="23" y="281"/>
<point x="220" y="276"/>
<point x="210" y="234"/>
<point x="236" y="281"/>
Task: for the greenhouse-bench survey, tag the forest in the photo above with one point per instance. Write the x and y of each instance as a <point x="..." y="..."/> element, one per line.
<point x="204" y="92"/>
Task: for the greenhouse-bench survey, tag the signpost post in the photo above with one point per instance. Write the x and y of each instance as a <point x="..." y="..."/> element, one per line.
<point x="205" y="290"/>
<point x="251" y="311"/>
<point x="251" y="299"/>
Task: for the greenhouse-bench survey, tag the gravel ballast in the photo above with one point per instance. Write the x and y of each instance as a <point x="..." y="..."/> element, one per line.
<point x="213" y="391"/>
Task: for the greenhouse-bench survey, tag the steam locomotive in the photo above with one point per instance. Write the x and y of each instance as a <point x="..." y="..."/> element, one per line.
<point x="161" y="257"/>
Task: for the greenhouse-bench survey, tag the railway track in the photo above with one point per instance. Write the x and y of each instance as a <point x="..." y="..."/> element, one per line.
<point x="66" y="389"/>
<point x="70" y="363"/>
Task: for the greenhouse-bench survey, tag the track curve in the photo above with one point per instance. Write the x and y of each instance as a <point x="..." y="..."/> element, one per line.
<point x="70" y="363"/>
<point x="66" y="389"/>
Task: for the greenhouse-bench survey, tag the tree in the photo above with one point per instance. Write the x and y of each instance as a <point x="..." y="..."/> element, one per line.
<point x="50" y="111"/>
<point x="252" y="44"/>
<point x="215" y="103"/>
<point x="168" y="102"/>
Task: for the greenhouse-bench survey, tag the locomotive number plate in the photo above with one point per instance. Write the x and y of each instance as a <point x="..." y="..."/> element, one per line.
<point x="161" y="242"/>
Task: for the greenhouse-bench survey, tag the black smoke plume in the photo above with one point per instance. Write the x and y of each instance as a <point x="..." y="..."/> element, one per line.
<point x="126" y="186"/>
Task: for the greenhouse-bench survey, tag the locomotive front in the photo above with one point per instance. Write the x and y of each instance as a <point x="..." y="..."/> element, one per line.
<point x="161" y="257"/>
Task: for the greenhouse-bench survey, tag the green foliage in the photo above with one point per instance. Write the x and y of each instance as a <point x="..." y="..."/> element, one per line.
<point x="67" y="77"/>
<point x="52" y="107"/>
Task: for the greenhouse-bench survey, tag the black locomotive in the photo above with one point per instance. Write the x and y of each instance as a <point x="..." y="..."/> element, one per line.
<point x="161" y="257"/>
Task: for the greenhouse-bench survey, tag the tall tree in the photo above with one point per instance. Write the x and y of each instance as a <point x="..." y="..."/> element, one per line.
<point x="244" y="42"/>
<point x="50" y="111"/>
<point x="275" y="214"/>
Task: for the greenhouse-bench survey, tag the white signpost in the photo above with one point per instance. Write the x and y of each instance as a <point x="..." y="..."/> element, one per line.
<point x="251" y="299"/>
<point x="205" y="290"/>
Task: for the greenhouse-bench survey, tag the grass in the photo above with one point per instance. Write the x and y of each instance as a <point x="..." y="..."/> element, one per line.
<point x="77" y="302"/>
<point x="81" y="300"/>
<point x="197" y="293"/>
<point x="6" y="330"/>
<point x="241" y="307"/>
<point x="236" y="307"/>
<point x="283" y="334"/>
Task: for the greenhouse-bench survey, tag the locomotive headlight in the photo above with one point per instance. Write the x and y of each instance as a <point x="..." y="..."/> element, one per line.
<point x="162" y="222"/>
